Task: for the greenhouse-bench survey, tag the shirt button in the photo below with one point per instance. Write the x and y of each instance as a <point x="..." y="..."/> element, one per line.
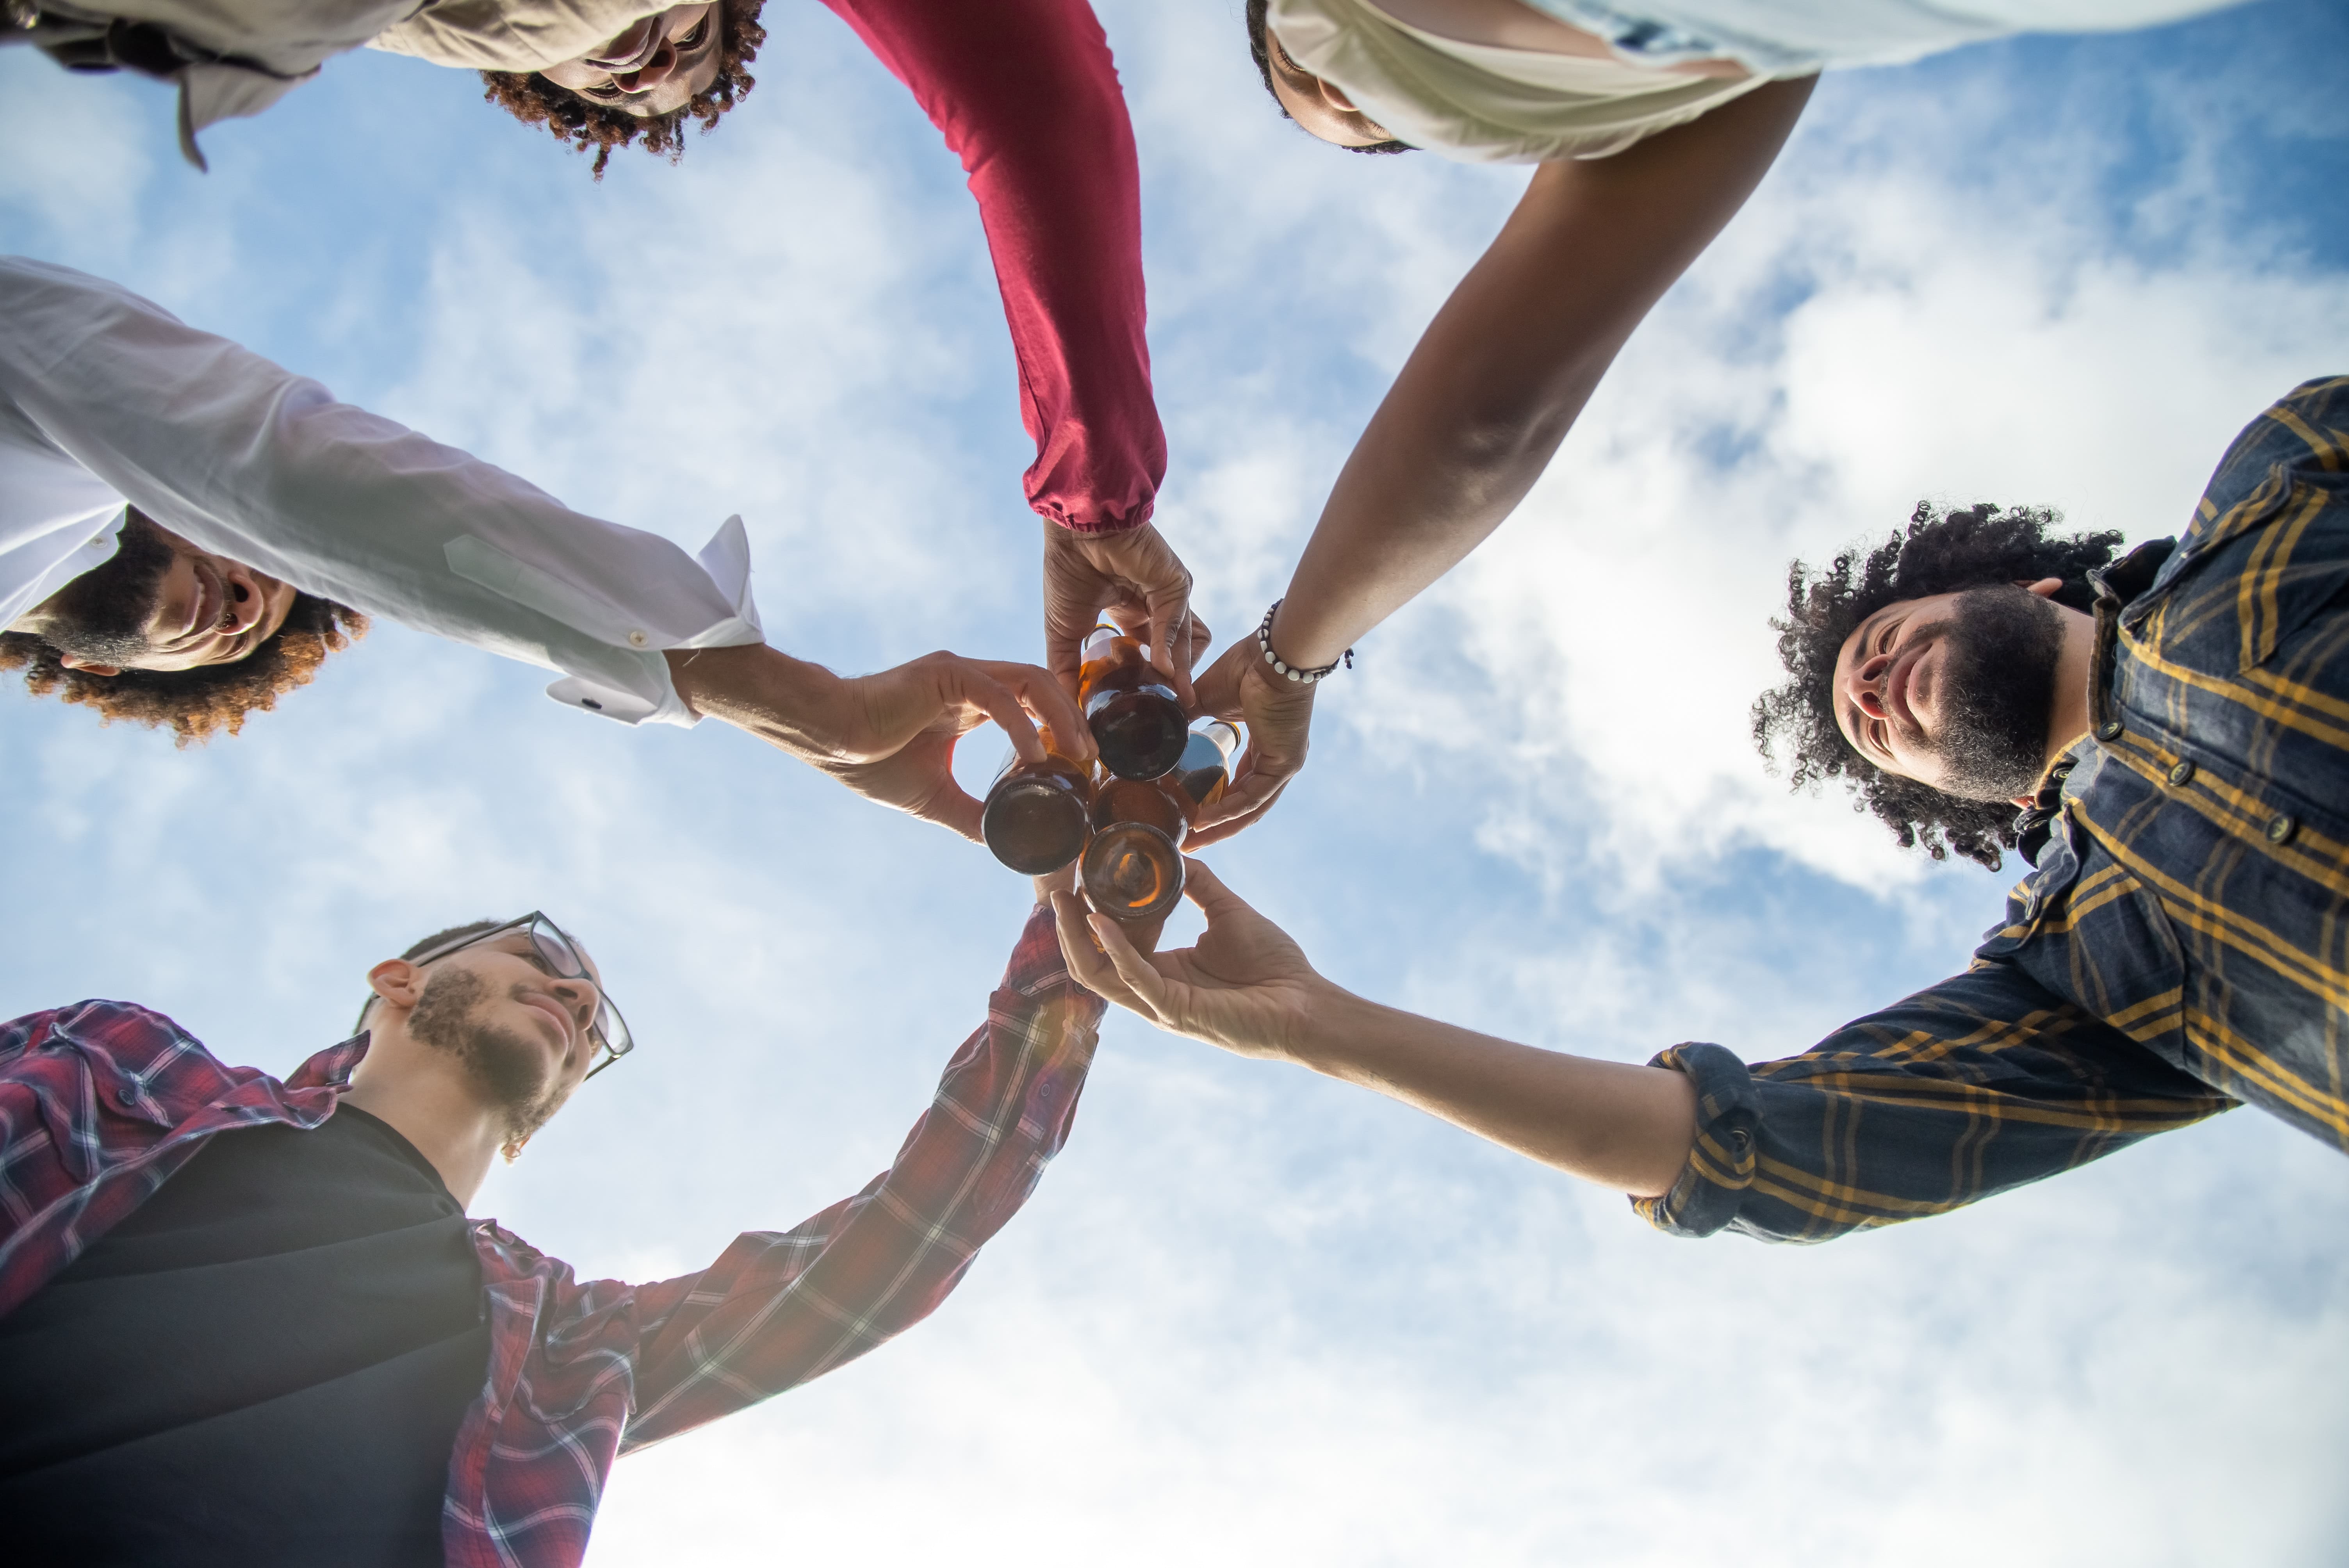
<point x="638" y="640"/>
<point x="2109" y="732"/>
<point x="2181" y="774"/>
<point x="2280" y="828"/>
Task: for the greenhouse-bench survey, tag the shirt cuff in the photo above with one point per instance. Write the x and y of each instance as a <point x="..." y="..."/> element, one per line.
<point x="1038" y="967"/>
<point x="1712" y="1185"/>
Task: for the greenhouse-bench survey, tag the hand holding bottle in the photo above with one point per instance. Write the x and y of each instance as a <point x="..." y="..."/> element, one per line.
<point x="1279" y="718"/>
<point x="1134" y="578"/>
<point x="1244" y="985"/>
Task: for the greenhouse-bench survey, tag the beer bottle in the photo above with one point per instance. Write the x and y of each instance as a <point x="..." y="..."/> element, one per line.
<point x="1133" y="869"/>
<point x="1135" y="716"/>
<point x="1035" y="817"/>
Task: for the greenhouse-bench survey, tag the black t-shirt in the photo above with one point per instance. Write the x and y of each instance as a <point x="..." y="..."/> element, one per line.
<point x="265" y="1364"/>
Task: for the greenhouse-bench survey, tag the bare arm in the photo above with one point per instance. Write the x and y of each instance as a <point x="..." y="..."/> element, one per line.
<point x="1507" y="364"/>
<point x="1246" y="987"/>
<point x="1495" y="382"/>
<point x="889" y="737"/>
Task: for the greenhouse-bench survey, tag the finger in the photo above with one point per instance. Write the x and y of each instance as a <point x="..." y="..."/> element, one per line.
<point x="1145" y="983"/>
<point x="966" y="680"/>
<point x="953" y="807"/>
<point x="1203" y="887"/>
<point x="1170" y="636"/>
<point x="1224" y="827"/>
<point x="1087" y="963"/>
<point x="1073" y="592"/>
<point x="1043" y="696"/>
<point x="1248" y="794"/>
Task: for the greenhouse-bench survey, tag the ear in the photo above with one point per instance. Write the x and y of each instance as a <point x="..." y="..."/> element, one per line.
<point x="73" y="662"/>
<point x="397" y="981"/>
<point x="2046" y="587"/>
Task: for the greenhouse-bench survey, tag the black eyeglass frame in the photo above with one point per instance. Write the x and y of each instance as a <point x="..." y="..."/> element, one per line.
<point x="610" y="1029"/>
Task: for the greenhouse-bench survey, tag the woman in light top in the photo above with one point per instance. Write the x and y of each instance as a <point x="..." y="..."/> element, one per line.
<point x="1652" y="121"/>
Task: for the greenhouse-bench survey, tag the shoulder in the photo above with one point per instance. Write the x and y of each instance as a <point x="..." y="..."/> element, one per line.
<point x="2305" y="431"/>
<point x="122" y="1032"/>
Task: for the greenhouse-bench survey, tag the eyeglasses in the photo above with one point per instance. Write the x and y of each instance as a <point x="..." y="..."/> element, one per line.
<point x="554" y="951"/>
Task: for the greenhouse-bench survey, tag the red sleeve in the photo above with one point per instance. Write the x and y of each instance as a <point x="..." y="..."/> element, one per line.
<point x="1027" y="96"/>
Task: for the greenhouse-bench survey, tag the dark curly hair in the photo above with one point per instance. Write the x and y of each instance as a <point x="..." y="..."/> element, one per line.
<point x="1939" y="552"/>
<point x="1261" y="44"/>
<point x="534" y="100"/>
<point x="196" y="704"/>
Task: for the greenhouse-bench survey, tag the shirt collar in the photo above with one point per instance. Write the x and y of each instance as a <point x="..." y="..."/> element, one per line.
<point x="332" y="1068"/>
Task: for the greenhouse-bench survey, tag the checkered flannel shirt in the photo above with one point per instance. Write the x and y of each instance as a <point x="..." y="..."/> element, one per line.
<point x="2183" y="942"/>
<point x="101" y="1101"/>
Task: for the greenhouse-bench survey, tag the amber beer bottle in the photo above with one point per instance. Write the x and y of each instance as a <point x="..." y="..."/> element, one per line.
<point x="1132" y="869"/>
<point x="1135" y="716"/>
<point x="1037" y="814"/>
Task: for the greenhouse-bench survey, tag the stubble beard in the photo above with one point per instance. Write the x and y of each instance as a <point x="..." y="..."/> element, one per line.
<point x="1999" y="684"/>
<point x="509" y="1068"/>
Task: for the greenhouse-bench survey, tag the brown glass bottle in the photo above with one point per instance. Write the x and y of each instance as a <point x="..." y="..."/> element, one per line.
<point x="1036" y="815"/>
<point x="1133" y="868"/>
<point x="1135" y="716"/>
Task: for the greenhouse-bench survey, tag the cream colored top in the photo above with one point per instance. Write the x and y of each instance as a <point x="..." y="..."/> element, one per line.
<point x="1482" y="104"/>
<point x="510" y="35"/>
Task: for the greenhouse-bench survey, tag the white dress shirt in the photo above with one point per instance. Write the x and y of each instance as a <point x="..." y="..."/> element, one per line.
<point x="105" y="398"/>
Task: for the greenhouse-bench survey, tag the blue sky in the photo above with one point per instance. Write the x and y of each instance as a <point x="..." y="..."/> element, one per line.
<point x="1254" y="1316"/>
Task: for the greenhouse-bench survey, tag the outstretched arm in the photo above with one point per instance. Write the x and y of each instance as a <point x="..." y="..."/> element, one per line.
<point x="1025" y="95"/>
<point x="1495" y="382"/>
<point x="1246" y="987"/>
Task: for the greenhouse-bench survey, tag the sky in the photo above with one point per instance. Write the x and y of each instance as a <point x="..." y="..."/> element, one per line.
<point x="1253" y="1316"/>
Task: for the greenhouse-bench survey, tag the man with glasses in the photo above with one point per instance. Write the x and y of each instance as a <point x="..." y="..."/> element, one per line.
<point x="248" y="1321"/>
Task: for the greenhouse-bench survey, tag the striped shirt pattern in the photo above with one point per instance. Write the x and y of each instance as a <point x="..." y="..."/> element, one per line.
<point x="101" y="1101"/>
<point x="2182" y="944"/>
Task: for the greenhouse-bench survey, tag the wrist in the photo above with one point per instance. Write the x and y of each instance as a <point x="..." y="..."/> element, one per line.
<point x="1331" y="1021"/>
<point x="1300" y="643"/>
<point x="798" y="706"/>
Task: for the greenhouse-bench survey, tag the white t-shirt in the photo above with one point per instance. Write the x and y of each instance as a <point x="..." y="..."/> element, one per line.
<point x="107" y="398"/>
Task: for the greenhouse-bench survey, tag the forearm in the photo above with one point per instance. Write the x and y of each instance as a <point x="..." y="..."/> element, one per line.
<point x="1025" y="93"/>
<point x="1507" y="365"/>
<point x="1624" y="1127"/>
<point x="788" y="703"/>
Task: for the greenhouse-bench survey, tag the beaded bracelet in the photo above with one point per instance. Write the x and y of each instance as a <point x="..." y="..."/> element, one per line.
<point x="1280" y="666"/>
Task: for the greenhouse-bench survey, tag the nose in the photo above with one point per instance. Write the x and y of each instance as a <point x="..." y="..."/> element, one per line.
<point x="246" y="602"/>
<point x="1867" y="685"/>
<point x="652" y="73"/>
<point x="581" y="996"/>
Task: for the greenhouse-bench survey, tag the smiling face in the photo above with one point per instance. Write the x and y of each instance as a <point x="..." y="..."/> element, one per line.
<point x="1956" y="690"/>
<point x="160" y="603"/>
<point x="656" y="67"/>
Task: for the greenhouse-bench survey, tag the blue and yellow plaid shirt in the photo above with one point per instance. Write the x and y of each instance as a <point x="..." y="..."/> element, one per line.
<point x="2183" y="943"/>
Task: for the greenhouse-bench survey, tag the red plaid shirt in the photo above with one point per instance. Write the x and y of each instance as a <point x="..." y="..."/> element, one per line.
<point x="101" y="1101"/>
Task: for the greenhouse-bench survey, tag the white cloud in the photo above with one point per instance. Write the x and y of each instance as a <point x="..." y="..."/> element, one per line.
<point x="1252" y="1317"/>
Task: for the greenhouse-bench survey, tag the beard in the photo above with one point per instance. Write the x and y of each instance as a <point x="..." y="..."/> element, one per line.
<point x="103" y="615"/>
<point x="507" y="1069"/>
<point x="1998" y="686"/>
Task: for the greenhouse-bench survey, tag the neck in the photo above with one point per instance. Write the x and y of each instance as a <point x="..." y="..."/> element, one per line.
<point x="435" y="1110"/>
<point x="2069" y="720"/>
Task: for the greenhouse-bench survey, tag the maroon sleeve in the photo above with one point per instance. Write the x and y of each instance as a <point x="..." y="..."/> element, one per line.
<point x="1027" y="96"/>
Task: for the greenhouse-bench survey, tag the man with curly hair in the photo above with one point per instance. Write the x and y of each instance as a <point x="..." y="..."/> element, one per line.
<point x="1024" y="91"/>
<point x="187" y="529"/>
<point x="2174" y="724"/>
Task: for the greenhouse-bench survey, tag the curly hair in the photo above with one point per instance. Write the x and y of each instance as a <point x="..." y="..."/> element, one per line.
<point x="1939" y="552"/>
<point x="199" y="703"/>
<point x="1260" y="47"/>
<point x="584" y="124"/>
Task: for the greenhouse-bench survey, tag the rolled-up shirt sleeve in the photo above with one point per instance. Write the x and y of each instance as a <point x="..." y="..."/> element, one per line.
<point x="1025" y="94"/>
<point x="1971" y="1087"/>
<point x="252" y="461"/>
